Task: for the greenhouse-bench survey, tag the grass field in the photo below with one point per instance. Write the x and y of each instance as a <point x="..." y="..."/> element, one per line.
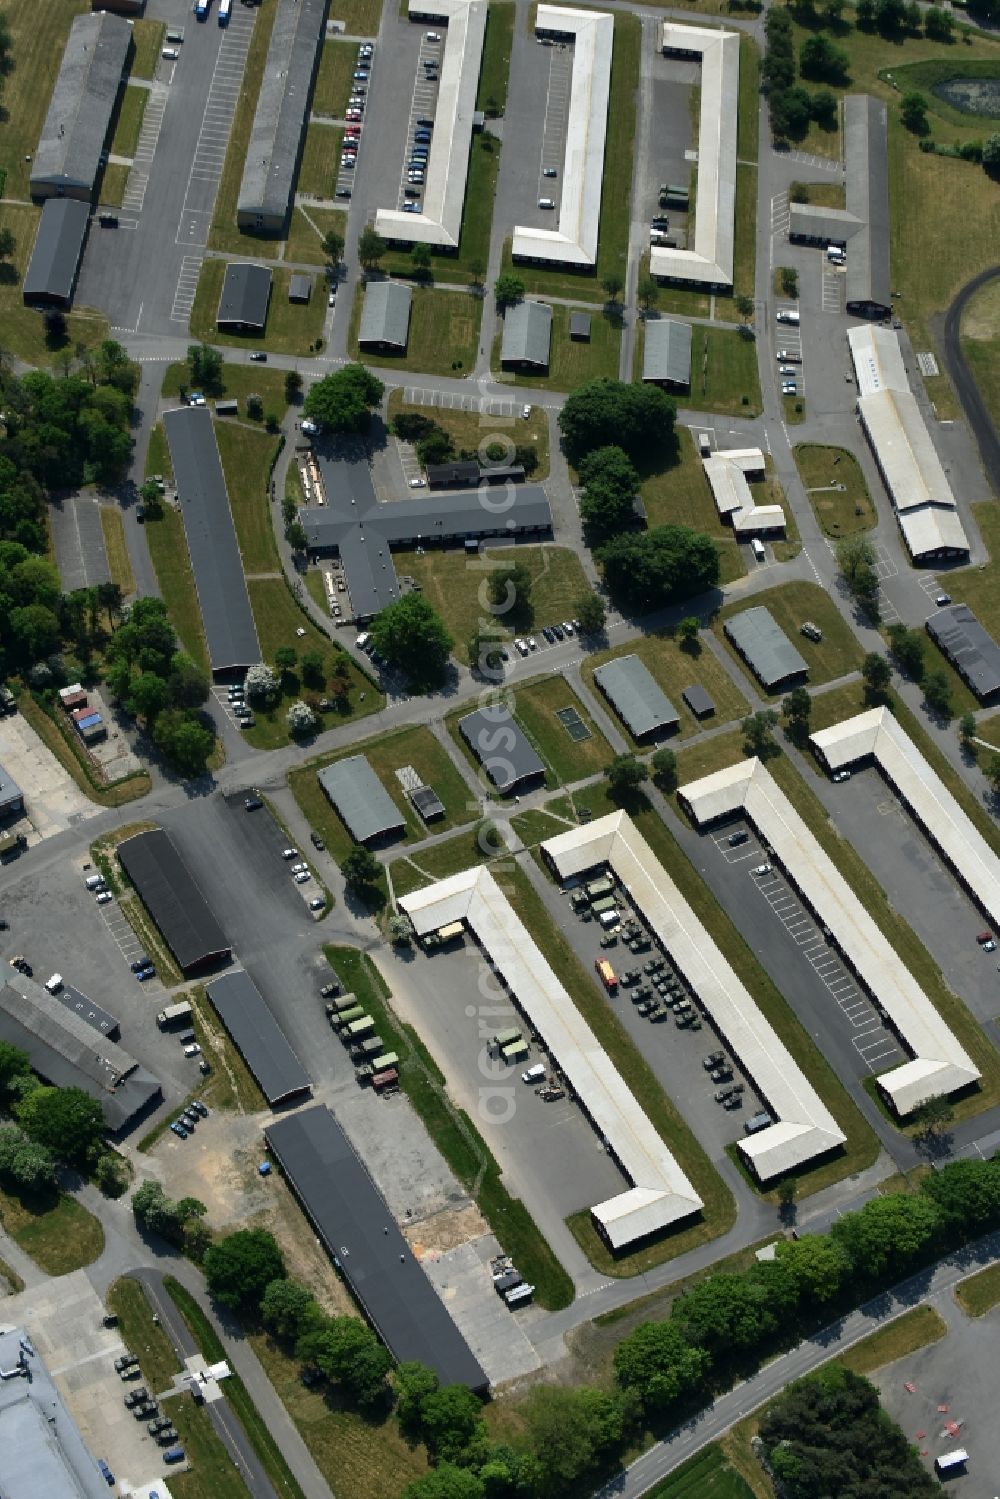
<point x="158" y="454"/>
<point x="306" y="232"/>
<point x="148" y="38"/>
<point x="238" y="381"/>
<point x="493" y="73"/>
<point x="710" y="1475"/>
<point x="674" y="669"/>
<point x="680" y="495"/>
<point x="114" y="180"/>
<point x="980" y="1292"/>
<point x="791" y="603"/>
<point x="130" y="113"/>
<point x="839" y="512"/>
<point x="571" y="362"/>
<point x="246" y="456"/>
<point x="981" y="344"/>
<point x="914" y="1329"/>
<point x="424" y="865"/>
<point x="320" y="159"/>
<point x="535" y="705"/>
<point x="477" y="216"/>
<point x="360" y="17"/>
<point x="38" y="37"/>
<point x="444" y="332"/>
<point x="333" y="78"/>
<point x="55" y="1230"/>
<point x="168" y="551"/>
<point x="291" y="327"/>
<point x="749" y="99"/>
<point x="471" y="430"/>
<point x="820" y="194"/>
<point x="724" y="372"/>
<point x="113" y="526"/>
<point x="451" y="582"/>
<point x="23" y="332"/>
<point x="224" y="235"/>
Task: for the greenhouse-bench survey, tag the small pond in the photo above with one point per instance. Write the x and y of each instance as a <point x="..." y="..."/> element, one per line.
<point x="973" y="96"/>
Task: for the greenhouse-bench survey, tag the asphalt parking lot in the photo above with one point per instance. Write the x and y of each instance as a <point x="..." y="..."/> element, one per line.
<point x="671" y="142"/>
<point x="534" y="131"/>
<point x="79" y="542"/>
<point x="919" y="885"/>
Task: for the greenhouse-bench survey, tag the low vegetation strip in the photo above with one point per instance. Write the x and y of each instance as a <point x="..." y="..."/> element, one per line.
<point x="710" y="1475"/>
<point x="914" y="1329"/>
<point x="456" y="1136"/>
<point x="57" y="1232"/>
<point x="980" y="1293"/>
<point x="492" y="97"/>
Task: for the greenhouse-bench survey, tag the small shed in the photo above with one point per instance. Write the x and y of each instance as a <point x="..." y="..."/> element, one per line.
<point x="300" y="287"/>
<point x="579" y="327"/>
<point x="698" y="700"/>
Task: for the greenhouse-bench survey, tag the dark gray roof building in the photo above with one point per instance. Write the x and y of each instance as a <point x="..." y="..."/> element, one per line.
<point x="300" y="287"/>
<point x="969" y="647"/>
<point x="579" y="326"/>
<point x="866" y="156"/>
<point x="362" y="803"/>
<point x="11" y="795"/>
<point x="385" y="317"/>
<point x="459" y="474"/>
<point x="41" y="1450"/>
<point x="55" y="257"/>
<point x="258" y="1037"/>
<point x="812" y="223"/>
<point x="499" y="744"/>
<point x="272" y="160"/>
<point x="427" y="802"/>
<point x="246" y="292"/>
<point x="765" y="647"/>
<point x="636" y="696"/>
<point x="527" y="336"/>
<point x="64" y="1050"/>
<point x="97" y="1018"/>
<point x="167" y="889"/>
<point x="698" y="700"/>
<point x="230" y="632"/>
<point x="68" y="156"/>
<point x="666" y="355"/>
<point x="355" y="1225"/>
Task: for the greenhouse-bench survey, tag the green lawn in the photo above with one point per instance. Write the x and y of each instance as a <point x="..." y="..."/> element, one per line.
<point x="820" y="194"/>
<point x="119" y="562"/>
<point x="333" y="79"/>
<point x="224" y="235"/>
<point x="291" y="327"/>
<point x="914" y="1329"/>
<point x="238" y="382"/>
<point x="309" y="226"/>
<point x="674" y="669"/>
<point x="495" y="67"/>
<point x="749" y="99"/>
<point x="535" y="706"/>
<point x="168" y="552"/>
<point x="320" y="159"/>
<point x="477" y="216"/>
<point x="679" y="494"/>
<point x="571" y="362"/>
<point x="158" y="454"/>
<point x="148" y="38"/>
<point x="842" y="511"/>
<point x="424" y="865"/>
<point x="278" y="617"/>
<point x="114" y="180"/>
<point x="23" y="332"/>
<point x="444" y="332"/>
<point x="54" y="1229"/>
<point x="724" y="372"/>
<point x="38" y="37"/>
<point x="130" y="112"/>
<point x="473" y="431"/>
<point x="246" y="456"/>
<point x="707" y="1476"/>
<point x="790" y="604"/>
<point x="451" y="582"/>
<point x="980" y="1293"/>
<point x="360" y="17"/>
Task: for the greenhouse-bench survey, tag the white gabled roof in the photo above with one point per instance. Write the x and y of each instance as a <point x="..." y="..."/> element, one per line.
<point x="711" y="260"/>
<point x="440" y="223"/>
<point x="805" y="1127"/>
<point x="940" y="1065"/>
<point x="661" y="1193"/>
<point x="726" y="472"/>
<point x="575" y="241"/>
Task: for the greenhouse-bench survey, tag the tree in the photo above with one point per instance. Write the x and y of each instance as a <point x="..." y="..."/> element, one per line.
<point x="967" y="1195"/>
<point x="14" y="1063"/>
<point x="822" y="61"/>
<point x="907" y="650"/>
<point x="647" y="291"/>
<point x="507" y="289"/>
<point x="939" y="25"/>
<point x="605" y="413"/>
<point x="877" y="674"/>
<point x="889" y="1236"/>
<point x="476" y="266"/>
<point x="967" y="730"/>
<point x="817" y="1264"/>
<point x="147" y="695"/>
<point x="856" y="558"/>
<point x="483" y="649"/>
<point x="664" y="763"/>
<point x="240" y="1267"/>
<point x="313" y="668"/>
<point x="571" y="1430"/>
<point x="8" y="244"/>
<point x="66" y="1120"/>
<point x="300" y="719"/>
<point x="295" y="535"/>
<point x="625" y="774"/>
<point x="420" y="255"/>
<point x="293" y="386"/>
<point x="509" y="590"/>
<point x="255" y="408"/>
<point x="284" y="1307"/>
<point x="613" y="284"/>
<point x="286" y="658"/>
<point x="932" y="1116"/>
<point x="797" y="708"/>
<point x="913" y="112"/>
<point x="591" y="613"/>
<point x="400" y="929"/>
<point x="660" y="1365"/>
<point x="344" y="1349"/>
<point x="992" y="771"/>
<point x="745" y="306"/>
<point x="205" y="367"/>
<point x="610" y="484"/>
<point x="435" y="446"/>
<point x="333" y="246"/>
<point x="361" y="870"/>
<point x="414" y="1382"/>
<point x="659" y="567"/>
<point x="937" y="693"/>
<point x="412" y="636"/>
<point x="446" y="1482"/>
<point x="185" y="740"/>
<point x="344" y="400"/>
<point x="56" y="327"/>
<point x="758" y="738"/>
<point x="688" y="630"/>
<point x="451" y="1422"/>
<point x="791" y="111"/>
<point x="371" y="248"/>
<point x="261" y="683"/>
<point x="824" y="108"/>
<point x="991" y="154"/>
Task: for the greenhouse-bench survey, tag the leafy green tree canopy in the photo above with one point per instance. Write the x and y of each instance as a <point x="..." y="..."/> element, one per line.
<point x="240" y="1267"/>
<point x="344" y="400"/>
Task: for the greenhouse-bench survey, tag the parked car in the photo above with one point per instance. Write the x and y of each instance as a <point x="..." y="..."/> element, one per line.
<point x="317" y="903"/>
<point x="788" y="356"/>
<point x="316" y="840"/>
<point x="258" y="357"/>
<point x="104" y="897"/>
<point x="253" y="804"/>
<point x="789" y="388"/>
<point x="302" y="876"/>
<point x="740" y="836"/>
<point x="840" y="775"/>
<point x="298" y="868"/>
<point x="144" y="974"/>
<point x="178" y="1129"/>
<point x="761" y="869"/>
<point x="193" y="1050"/>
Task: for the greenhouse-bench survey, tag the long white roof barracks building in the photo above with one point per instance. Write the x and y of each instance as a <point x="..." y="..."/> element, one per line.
<point x="939" y="1064"/>
<point x="575" y="240"/>
<point x="710" y="261"/>
<point x="726" y="472"/>
<point x="804" y="1127"/>
<point x="923" y="499"/>
<point x="660" y="1194"/>
<point x="440" y="222"/>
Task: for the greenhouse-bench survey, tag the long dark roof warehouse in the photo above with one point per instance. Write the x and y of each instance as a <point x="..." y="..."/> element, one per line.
<point x="167" y="889"/>
<point x="359" y="1232"/>
<point x="258" y="1037"/>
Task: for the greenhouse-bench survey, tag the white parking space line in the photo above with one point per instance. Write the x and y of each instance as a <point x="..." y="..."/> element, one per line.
<point x="833" y="285"/>
<point x="823" y="163"/>
<point x="423" y="104"/>
<point x="138" y="178"/>
<point x="780" y="215"/>
<point x="556" y="109"/>
<point x="213" y="137"/>
<point x="187" y="286"/>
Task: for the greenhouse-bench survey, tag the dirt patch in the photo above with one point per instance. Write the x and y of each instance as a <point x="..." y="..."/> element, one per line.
<point x="445" y="1230"/>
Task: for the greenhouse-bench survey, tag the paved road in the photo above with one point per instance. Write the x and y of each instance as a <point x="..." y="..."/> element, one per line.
<point x="962" y="378"/>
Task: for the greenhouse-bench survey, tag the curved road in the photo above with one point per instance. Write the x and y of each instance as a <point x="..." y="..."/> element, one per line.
<point x="969" y="394"/>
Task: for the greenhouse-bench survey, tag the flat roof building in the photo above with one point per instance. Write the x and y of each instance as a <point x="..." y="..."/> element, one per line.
<point x="710" y="261"/>
<point x="765" y="647"/>
<point x="167" y="889"/>
<point x="527" y="336"/>
<point x="11" y="795"/>
<point x="938" y="1065"/>
<point x="385" y="317"/>
<point x="299" y="287"/>
<point x="659" y="1193"/>
<point x="913" y="474"/>
<point x="272" y="159"/>
<point x="42" y="1454"/>
<point x="439" y="223"/>
<point x="803" y="1126"/>
<point x="666" y="355"/>
<point x="499" y="744"/>
<point x="579" y="327"/>
<point x="636" y="696"/>
<point x="68" y="155"/>
<point x="360" y="1234"/>
<point x="698" y="701"/>
<point x="230" y="631"/>
<point x="55" y="257"/>
<point x="969" y="647"/>
<point x="574" y="240"/>
<point x="361" y="801"/>
<point x="258" y="1037"/>
<point x="97" y="1018"/>
<point x="816" y="224"/>
<point x="246" y="292"/>
<point x="65" y="1049"/>
<point x="866" y="159"/>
